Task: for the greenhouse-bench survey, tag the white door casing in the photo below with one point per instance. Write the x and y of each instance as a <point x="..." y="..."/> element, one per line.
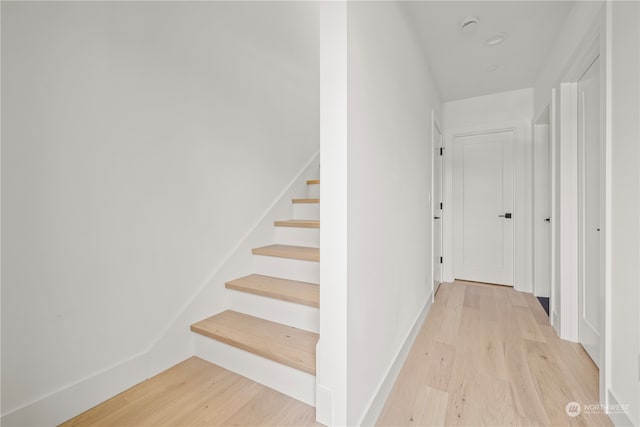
<point x="483" y="213"/>
<point x="590" y="210"/>
<point x="437" y="208"/>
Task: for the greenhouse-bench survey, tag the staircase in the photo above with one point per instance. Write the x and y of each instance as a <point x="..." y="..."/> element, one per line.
<point x="270" y="331"/>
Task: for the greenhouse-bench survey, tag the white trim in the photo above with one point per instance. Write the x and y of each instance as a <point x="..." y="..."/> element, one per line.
<point x="606" y="363"/>
<point x="431" y="199"/>
<point x="523" y="247"/>
<point x="376" y="404"/>
<point x="568" y="212"/>
<point x="618" y="418"/>
<point x="75" y="398"/>
<point x="434" y="203"/>
<point x="553" y="303"/>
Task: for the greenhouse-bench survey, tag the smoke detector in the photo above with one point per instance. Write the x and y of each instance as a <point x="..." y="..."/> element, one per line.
<point x="469" y="22"/>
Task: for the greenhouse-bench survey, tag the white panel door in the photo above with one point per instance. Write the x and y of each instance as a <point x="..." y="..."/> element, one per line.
<point x="542" y="212"/>
<point x="483" y="185"/>
<point x="437" y="210"/>
<point x="590" y="192"/>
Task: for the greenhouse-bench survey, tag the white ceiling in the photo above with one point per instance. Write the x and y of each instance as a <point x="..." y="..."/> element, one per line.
<point x="460" y="59"/>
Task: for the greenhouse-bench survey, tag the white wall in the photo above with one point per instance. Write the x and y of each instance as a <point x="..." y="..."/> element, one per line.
<point x="331" y="354"/>
<point x="495" y="108"/>
<point x="390" y="98"/>
<point x="624" y="328"/>
<point x="141" y="141"/>
<point x="483" y="113"/>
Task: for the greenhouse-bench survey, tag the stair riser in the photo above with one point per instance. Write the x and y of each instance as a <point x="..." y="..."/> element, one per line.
<point x="306" y="211"/>
<point x="286" y="268"/>
<point x="298" y="236"/>
<point x="313" y="191"/>
<point x="292" y="382"/>
<point x="288" y="313"/>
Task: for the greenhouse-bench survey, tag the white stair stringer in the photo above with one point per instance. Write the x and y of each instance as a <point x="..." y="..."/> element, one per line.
<point x="292" y="382"/>
<point x="287" y="268"/>
<point x="287" y="313"/>
<point x="298" y="236"/>
<point x="306" y="211"/>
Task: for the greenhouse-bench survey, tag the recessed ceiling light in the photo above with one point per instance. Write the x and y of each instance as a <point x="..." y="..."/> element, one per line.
<point x="497" y="39"/>
<point x="469" y="22"/>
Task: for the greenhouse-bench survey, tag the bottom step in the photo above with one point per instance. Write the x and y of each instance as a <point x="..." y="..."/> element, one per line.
<point x="292" y="382"/>
<point x="281" y="343"/>
<point x="275" y="355"/>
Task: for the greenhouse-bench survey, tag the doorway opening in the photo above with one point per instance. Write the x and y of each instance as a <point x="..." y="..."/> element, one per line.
<point x="542" y="216"/>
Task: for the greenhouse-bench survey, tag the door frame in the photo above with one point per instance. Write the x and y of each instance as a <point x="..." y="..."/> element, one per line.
<point x="544" y="119"/>
<point x="592" y="46"/>
<point x="523" y="198"/>
<point x="436" y="125"/>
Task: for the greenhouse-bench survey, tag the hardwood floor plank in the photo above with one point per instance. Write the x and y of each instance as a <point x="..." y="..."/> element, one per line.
<point x="197" y="393"/>
<point x="552" y="385"/>
<point x="496" y="360"/>
<point x="527" y="324"/>
<point x="430" y="407"/>
<point x="523" y="388"/>
<point x="439" y="358"/>
<point x="266" y="409"/>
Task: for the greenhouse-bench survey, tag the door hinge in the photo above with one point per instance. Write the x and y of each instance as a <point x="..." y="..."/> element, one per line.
<point x="440" y="260"/>
<point x="441" y="151"/>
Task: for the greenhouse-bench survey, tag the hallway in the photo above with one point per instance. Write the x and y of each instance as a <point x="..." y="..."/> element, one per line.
<point x="487" y="355"/>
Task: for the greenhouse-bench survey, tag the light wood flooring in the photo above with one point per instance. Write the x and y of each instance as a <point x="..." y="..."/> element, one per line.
<point x="198" y="393"/>
<point x="487" y="356"/>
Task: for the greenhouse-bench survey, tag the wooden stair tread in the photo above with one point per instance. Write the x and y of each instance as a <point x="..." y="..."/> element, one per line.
<point x="299" y="223"/>
<point x="305" y="200"/>
<point x="281" y="343"/>
<point x="275" y="287"/>
<point x="285" y="251"/>
<point x="313" y="181"/>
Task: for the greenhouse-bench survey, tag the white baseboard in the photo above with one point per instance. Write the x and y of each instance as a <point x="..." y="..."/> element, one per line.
<point x="376" y="404"/>
<point x="76" y="398"/>
<point x="323" y="405"/>
<point x="619" y="418"/>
